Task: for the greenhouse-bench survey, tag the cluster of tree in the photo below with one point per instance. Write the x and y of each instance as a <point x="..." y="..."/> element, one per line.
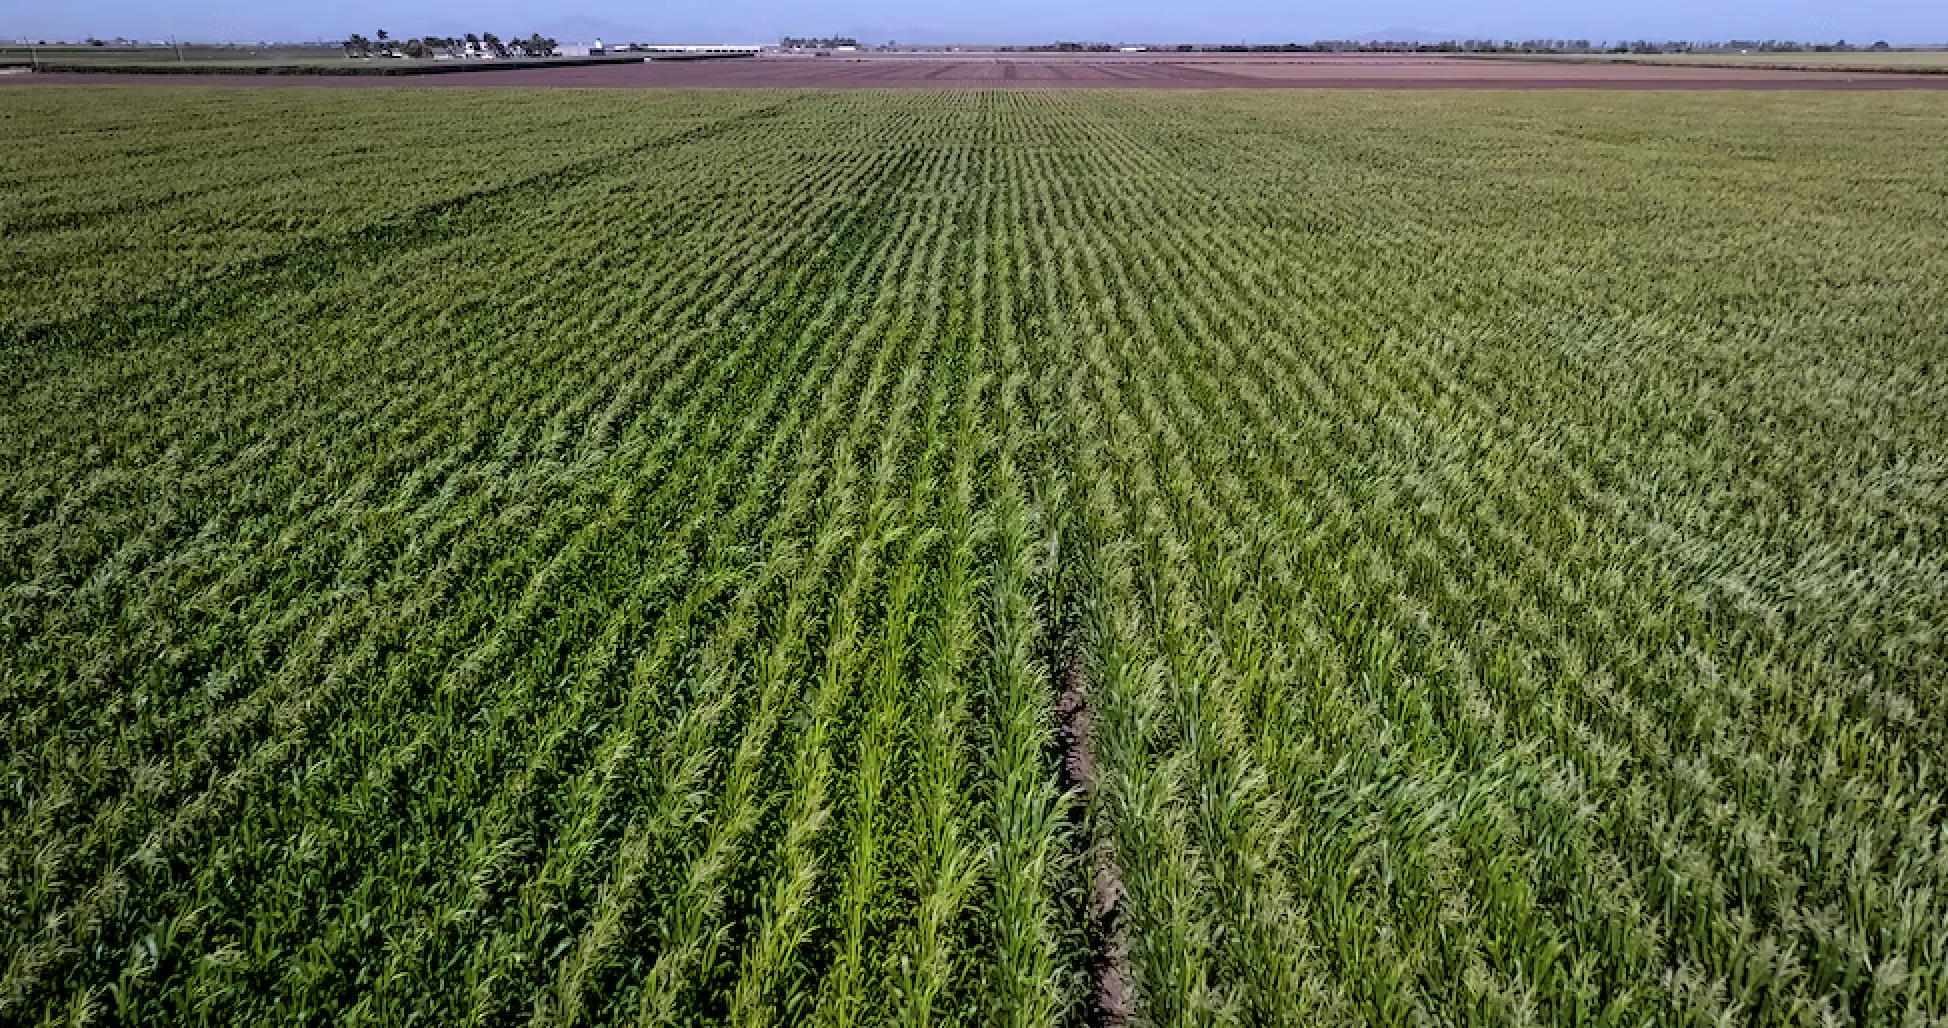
<point x="1786" y="46"/>
<point x="816" y="43"/>
<point x="1769" y="46"/>
<point x="485" y="44"/>
<point x="1102" y="48"/>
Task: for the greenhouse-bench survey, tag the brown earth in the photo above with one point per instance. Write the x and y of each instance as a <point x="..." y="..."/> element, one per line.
<point x="1026" y="71"/>
<point x="1112" y="982"/>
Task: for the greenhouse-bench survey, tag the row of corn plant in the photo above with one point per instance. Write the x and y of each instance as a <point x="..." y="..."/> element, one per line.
<point x="1493" y="570"/>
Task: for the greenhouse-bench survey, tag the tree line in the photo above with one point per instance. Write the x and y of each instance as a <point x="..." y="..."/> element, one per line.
<point x="485" y="44"/>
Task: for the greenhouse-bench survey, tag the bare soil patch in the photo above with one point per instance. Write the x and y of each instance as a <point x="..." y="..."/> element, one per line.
<point x="1112" y="981"/>
<point x="1439" y="72"/>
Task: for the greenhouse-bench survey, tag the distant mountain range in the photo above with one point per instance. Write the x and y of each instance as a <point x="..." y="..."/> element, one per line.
<point x="1406" y="35"/>
<point x="578" y="29"/>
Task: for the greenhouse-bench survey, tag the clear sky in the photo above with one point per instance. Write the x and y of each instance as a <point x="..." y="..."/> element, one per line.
<point x="1900" y="21"/>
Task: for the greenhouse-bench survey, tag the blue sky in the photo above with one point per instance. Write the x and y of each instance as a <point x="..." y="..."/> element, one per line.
<point x="1901" y="21"/>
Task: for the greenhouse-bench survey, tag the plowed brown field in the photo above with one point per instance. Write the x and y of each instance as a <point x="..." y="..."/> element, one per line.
<point x="1124" y="72"/>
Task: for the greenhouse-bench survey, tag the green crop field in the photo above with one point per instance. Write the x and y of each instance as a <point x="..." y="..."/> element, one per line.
<point x="1903" y="59"/>
<point x="1912" y="61"/>
<point x="973" y="558"/>
<point x="1847" y="59"/>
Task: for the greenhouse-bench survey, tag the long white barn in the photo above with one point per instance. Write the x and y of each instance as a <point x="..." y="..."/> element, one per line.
<point x="667" y="52"/>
